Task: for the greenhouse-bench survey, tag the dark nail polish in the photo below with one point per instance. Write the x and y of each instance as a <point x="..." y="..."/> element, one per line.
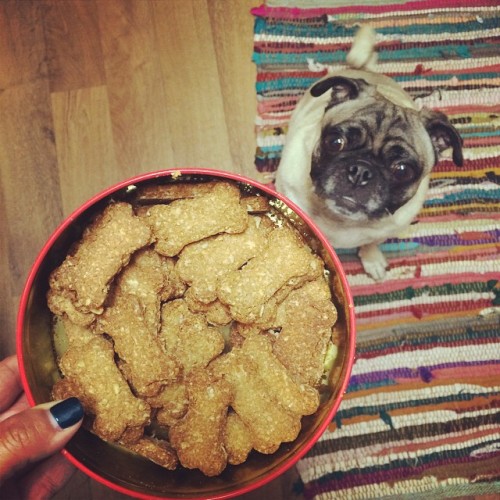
<point x="67" y="412"/>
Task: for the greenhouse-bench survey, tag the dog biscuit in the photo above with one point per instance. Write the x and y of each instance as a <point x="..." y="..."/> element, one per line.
<point x="300" y="399"/>
<point x="68" y="334"/>
<point x="143" y="361"/>
<point x="165" y="193"/>
<point x="63" y="306"/>
<point x="171" y="404"/>
<point x="198" y="437"/>
<point x="203" y="263"/>
<point x="237" y="439"/>
<point x="215" y="312"/>
<point x="91" y="374"/>
<point x="284" y="262"/>
<point x="269" y="423"/>
<point x="192" y="219"/>
<point x="156" y="450"/>
<point x="188" y="336"/>
<point x="142" y="280"/>
<point x="106" y="246"/>
<point x="306" y="318"/>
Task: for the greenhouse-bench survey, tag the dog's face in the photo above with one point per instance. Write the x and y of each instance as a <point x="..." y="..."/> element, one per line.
<point x="372" y="154"/>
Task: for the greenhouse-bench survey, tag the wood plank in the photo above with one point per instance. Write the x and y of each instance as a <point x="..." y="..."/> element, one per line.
<point x="140" y="85"/>
<point x="74" y="55"/>
<point x="84" y="143"/>
<point x="134" y="81"/>
<point x="232" y="26"/>
<point x="9" y="302"/>
<point x="191" y="81"/>
<point x="22" y="45"/>
<point x="29" y="177"/>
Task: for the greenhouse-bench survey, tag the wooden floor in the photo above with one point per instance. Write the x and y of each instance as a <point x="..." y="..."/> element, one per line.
<point x="96" y="91"/>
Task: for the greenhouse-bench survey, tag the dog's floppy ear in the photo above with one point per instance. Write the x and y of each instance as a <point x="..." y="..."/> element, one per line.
<point x="343" y="89"/>
<point x="443" y="135"/>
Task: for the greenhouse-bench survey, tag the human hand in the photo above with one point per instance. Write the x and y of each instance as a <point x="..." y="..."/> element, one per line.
<point x="30" y="438"/>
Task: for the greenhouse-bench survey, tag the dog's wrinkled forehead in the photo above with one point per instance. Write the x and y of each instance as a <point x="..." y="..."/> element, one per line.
<point x="362" y="93"/>
<point x="381" y="122"/>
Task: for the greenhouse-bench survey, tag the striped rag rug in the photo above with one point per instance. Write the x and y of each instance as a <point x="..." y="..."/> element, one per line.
<point x="421" y="415"/>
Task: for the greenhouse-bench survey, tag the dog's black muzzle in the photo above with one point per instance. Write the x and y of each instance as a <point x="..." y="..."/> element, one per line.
<point x="354" y="184"/>
<point x="360" y="173"/>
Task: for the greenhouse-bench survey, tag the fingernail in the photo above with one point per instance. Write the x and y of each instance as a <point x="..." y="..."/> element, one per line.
<point x="67" y="413"/>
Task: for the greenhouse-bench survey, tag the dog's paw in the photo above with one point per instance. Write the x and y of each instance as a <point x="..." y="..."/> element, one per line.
<point x="373" y="261"/>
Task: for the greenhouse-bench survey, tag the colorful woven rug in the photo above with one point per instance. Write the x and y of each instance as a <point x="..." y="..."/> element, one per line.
<point x="421" y="418"/>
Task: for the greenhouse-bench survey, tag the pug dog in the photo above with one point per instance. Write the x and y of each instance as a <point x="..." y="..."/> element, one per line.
<point x="358" y="155"/>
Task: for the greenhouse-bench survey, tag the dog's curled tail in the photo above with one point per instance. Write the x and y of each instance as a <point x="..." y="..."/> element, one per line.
<point x="362" y="54"/>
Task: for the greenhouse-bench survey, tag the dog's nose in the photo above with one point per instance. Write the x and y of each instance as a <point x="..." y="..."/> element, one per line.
<point x="359" y="175"/>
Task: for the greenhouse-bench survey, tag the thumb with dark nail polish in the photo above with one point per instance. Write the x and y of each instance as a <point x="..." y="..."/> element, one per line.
<point x="35" y="433"/>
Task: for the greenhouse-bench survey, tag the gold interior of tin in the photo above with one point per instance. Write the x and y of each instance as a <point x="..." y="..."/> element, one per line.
<point x="132" y="471"/>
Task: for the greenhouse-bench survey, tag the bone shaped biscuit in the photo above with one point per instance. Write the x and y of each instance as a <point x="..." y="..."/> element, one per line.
<point x="84" y="278"/>
<point x="192" y="219"/>
<point x="198" y="437"/>
<point x="92" y="375"/>
<point x="284" y="263"/>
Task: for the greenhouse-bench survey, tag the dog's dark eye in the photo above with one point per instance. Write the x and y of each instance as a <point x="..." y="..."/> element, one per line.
<point x="402" y="172"/>
<point x="335" y="142"/>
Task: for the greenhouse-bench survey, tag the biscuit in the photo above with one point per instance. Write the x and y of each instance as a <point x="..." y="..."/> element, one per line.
<point x="63" y="306"/>
<point x="164" y="193"/>
<point x="300" y="399"/>
<point x="269" y="423"/>
<point x="255" y="204"/>
<point x="215" y="312"/>
<point x="82" y="281"/>
<point x="191" y="219"/>
<point x="91" y="375"/>
<point x="284" y="264"/>
<point x="171" y="404"/>
<point x="68" y="334"/>
<point x="237" y="439"/>
<point x="173" y="286"/>
<point x="156" y="450"/>
<point x="142" y="280"/>
<point x="306" y="318"/>
<point x="241" y="331"/>
<point x="144" y="362"/>
<point x="202" y="264"/>
<point x="187" y="335"/>
<point x="198" y="437"/>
